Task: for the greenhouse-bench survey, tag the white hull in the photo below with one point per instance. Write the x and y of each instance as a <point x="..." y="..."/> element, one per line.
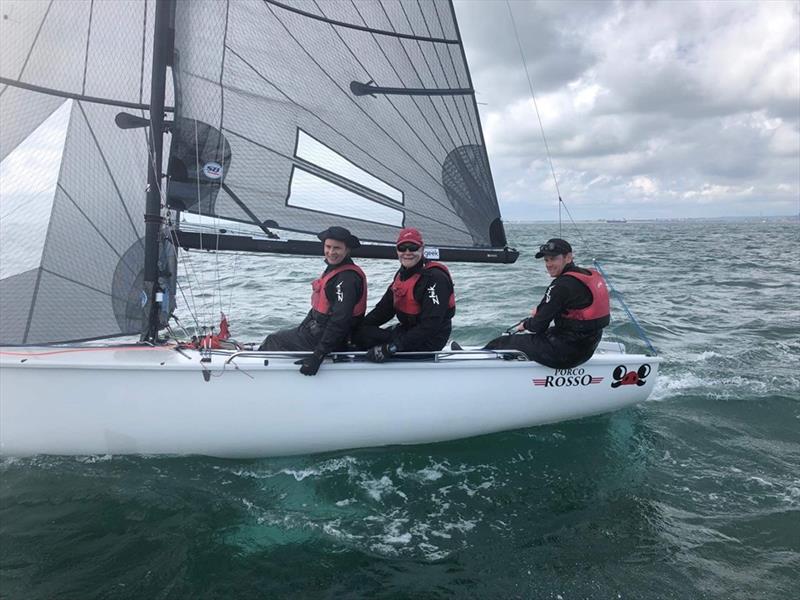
<point x="158" y="401"/>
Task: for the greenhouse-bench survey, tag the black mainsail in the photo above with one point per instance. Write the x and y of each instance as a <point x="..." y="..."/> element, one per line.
<point x="299" y="114"/>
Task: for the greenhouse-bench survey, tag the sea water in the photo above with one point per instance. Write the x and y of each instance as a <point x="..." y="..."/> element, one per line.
<point x="692" y="494"/>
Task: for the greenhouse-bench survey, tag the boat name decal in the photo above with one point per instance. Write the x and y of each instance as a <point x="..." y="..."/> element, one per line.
<point x="622" y="376"/>
<point x="567" y="378"/>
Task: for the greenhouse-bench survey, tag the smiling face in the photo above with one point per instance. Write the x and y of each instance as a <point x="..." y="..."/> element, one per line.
<point x="409" y="254"/>
<point x="555" y="264"/>
<point x="335" y="251"/>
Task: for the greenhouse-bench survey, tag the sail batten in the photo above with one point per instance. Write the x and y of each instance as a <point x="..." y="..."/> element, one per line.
<point x="364" y="28"/>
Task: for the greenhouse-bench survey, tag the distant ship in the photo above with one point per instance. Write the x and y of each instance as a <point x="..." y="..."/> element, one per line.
<point x="616" y="220"/>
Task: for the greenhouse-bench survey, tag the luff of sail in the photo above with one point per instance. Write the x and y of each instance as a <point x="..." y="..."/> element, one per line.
<point x="269" y="131"/>
<point x="82" y="278"/>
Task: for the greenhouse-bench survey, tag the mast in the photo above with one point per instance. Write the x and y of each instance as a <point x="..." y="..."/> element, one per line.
<point x="162" y="50"/>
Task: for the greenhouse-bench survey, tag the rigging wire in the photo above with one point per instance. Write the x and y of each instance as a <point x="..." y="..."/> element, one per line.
<point x="640" y="330"/>
<point x="182" y="257"/>
<point x="538" y="116"/>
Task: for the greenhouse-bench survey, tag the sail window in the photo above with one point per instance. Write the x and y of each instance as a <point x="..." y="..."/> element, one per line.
<point x="28" y="178"/>
<point x="315" y="193"/>
<point x="317" y="153"/>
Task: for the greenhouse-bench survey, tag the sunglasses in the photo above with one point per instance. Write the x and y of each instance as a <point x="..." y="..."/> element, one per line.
<point x="408" y="247"/>
<point x="551" y="247"/>
<point x="548" y="247"/>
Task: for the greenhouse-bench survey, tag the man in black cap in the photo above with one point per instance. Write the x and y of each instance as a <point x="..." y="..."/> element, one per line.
<point x="577" y="303"/>
<point x="338" y="304"/>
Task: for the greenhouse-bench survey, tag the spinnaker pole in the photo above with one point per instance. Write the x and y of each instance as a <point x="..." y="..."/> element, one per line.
<point x="162" y="56"/>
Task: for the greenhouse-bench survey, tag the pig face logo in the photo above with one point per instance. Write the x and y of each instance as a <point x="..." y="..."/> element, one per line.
<point x="622" y="376"/>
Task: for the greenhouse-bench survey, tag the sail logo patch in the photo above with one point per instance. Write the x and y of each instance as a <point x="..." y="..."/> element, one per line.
<point x="568" y="378"/>
<point x="622" y="376"/>
<point x="212" y="170"/>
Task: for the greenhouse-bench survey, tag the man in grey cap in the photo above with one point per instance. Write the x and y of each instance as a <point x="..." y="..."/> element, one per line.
<point x="576" y="302"/>
<point x="338" y="304"/>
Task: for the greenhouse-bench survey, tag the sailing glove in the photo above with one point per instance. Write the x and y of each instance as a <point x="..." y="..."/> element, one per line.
<point x="379" y="354"/>
<point x="310" y="365"/>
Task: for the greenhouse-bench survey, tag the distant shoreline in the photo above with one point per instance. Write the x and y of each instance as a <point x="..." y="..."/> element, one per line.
<point x="749" y="219"/>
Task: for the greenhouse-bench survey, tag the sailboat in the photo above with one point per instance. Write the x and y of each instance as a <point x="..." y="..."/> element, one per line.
<point x="284" y="116"/>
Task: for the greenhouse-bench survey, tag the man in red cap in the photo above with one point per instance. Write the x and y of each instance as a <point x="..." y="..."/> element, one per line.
<point x="421" y="296"/>
<point x="338" y="303"/>
<point x="576" y="302"/>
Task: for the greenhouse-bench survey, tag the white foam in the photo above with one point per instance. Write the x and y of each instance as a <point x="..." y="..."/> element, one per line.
<point x="378" y="488"/>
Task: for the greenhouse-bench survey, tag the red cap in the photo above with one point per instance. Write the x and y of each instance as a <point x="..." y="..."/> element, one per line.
<point x="409" y="234"/>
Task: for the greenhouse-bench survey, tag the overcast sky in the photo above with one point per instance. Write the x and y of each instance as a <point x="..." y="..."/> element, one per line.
<point x="651" y="109"/>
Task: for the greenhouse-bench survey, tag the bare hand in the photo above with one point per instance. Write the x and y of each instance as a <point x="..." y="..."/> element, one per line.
<point x="521" y="326"/>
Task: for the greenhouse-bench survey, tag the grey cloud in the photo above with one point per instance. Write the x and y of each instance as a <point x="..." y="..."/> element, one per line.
<point x="693" y="105"/>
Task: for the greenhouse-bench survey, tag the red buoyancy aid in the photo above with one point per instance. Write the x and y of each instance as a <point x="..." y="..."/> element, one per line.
<point x="403" y="291"/>
<point x="319" y="300"/>
<point x="600" y="308"/>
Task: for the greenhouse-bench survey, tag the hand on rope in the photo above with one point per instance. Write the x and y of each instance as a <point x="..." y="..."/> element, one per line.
<point x="515" y="328"/>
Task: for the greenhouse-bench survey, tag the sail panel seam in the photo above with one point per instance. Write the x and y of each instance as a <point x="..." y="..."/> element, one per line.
<point x="88" y="41"/>
<point x="321" y="120"/>
<point x="97" y="229"/>
<point x="348" y="95"/>
<point x="110" y="173"/>
<point x="481" y="139"/>
<point x="297" y="161"/>
<point x="392" y="104"/>
<point x="141" y="62"/>
<point x="84" y="285"/>
<point x="441" y="63"/>
<point x="358" y="27"/>
<point x="30" y="50"/>
<point x="414" y="68"/>
<point x="430" y="71"/>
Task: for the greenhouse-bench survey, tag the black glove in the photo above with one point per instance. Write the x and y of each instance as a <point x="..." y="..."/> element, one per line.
<point x="310" y="365"/>
<point x="379" y="354"/>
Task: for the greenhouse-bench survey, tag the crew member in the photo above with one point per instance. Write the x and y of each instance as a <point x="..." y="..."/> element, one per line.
<point x="576" y="302"/>
<point x="338" y="304"/>
<point x="421" y="296"/>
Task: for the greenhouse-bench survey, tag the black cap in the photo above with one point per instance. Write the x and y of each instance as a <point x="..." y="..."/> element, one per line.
<point x="554" y="247"/>
<point x="340" y="234"/>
